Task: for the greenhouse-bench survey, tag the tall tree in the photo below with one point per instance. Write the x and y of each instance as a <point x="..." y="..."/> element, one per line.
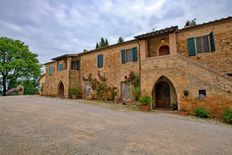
<point x="17" y="62"/>
<point x="120" y="40"/>
<point x="103" y="43"/>
<point x="106" y="42"/>
<point x="97" y="46"/>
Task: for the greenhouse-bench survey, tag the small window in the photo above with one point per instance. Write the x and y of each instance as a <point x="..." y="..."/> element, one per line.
<point x="100" y="60"/>
<point x="186" y="93"/>
<point x="50" y="70"/>
<point x="75" y="65"/>
<point x="202" y="92"/>
<point x="229" y="74"/>
<point x="60" y="67"/>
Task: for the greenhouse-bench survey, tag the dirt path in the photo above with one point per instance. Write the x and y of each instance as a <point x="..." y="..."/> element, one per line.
<point x="40" y="125"/>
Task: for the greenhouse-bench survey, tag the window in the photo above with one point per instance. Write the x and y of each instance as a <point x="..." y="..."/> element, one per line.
<point x="201" y="44"/>
<point x="229" y="74"/>
<point x="202" y="92"/>
<point x="129" y="55"/>
<point x="60" y="67"/>
<point x="100" y="60"/>
<point x="75" y="65"/>
<point x="50" y="70"/>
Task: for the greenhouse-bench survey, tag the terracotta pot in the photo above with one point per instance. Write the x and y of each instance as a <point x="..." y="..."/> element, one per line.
<point x="74" y="96"/>
<point x="144" y="108"/>
<point x="183" y="113"/>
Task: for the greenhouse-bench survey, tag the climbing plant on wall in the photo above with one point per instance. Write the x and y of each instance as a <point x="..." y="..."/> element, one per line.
<point x="101" y="90"/>
<point x="134" y="80"/>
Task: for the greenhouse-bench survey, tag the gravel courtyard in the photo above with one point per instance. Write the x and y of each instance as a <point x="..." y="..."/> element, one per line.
<point x="40" y="125"/>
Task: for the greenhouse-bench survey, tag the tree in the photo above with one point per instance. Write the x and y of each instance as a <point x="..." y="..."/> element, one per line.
<point x="17" y="62"/>
<point x="97" y="46"/>
<point x="103" y="43"/>
<point x="106" y="42"/>
<point x="120" y="40"/>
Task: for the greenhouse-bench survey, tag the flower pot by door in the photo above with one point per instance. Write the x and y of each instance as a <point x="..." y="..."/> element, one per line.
<point x="74" y="96"/>
<point x="144" y="108"/>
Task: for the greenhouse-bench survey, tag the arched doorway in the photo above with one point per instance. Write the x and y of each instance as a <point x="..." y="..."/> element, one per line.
<point x="61" y="90"/>
<point x="164" y="50"/>
<point x="164" y="94"/>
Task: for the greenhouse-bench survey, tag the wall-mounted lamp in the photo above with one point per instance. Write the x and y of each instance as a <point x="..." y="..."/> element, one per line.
<point x="162" y="40"/>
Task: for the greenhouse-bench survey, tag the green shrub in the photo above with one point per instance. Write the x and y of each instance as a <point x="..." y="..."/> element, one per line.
<point x="74" y="91"/>
<point x="227" y="116"/>
<point x="145" y="100"/>
<point x="201" y="112"/>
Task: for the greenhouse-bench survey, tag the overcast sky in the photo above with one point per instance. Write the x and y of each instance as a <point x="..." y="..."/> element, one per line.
<point x="56" y="27"/>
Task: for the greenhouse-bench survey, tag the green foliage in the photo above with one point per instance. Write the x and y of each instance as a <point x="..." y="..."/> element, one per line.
<point x="135" y="81"/>
<point x="227" y="116"/>
<point x="73" y="91"/>
<point x="30" y="86"/>
<point x="17" y="62"/>
<point x="102" y="43"/>
<point x="100" y="88"/>
<point x="97" y="46"/>
<point x="201" y="112"/>
<point x="145" y="100"/>
<point x="120" y="40"/>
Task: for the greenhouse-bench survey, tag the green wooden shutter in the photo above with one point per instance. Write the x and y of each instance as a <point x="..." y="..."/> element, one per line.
<point x="191" y="47"/>
<point x="123" y="56"/>
<point x="60" y="67"/>
<point x="78" y="64"/>
<point x="134" y="52"/>
<point x="50" y="70"/>
<point x="100" y="61"/>
<point x="212" y="43"/>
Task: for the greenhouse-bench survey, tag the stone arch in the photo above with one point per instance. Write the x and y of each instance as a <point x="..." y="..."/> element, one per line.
<point x="164" y="93"/>
<point x="60" y="90"/>
<point x="164" y="50"/>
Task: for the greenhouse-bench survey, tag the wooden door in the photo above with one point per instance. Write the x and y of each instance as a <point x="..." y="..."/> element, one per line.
<point x="125" y="91"/>
<point x="61" y="90"/>
<point x="162" y="95"/>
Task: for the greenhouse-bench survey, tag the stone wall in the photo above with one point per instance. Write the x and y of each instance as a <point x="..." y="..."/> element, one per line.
<point x="69" y="78"/>
<point x="113" y="69"/>
<point x="221" y="59"/>
<point x="186" y="75"/>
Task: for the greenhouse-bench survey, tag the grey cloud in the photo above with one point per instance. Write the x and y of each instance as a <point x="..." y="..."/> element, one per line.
<point x="55" y="27"/>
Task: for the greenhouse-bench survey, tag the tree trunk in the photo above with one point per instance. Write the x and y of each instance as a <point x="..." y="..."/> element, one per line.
<point x="4" y="85"/>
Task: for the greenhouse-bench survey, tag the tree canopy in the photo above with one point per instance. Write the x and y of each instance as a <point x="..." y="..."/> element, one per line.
<point x="103" y="43"/>
<point x="17" y="63"/>
<point x="120" y="40"/>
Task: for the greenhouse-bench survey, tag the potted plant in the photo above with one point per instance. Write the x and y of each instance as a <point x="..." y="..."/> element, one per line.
<point x="73" y="92"/>
<point x="145" y="103"/>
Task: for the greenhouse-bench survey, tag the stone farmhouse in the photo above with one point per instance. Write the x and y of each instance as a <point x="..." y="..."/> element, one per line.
<point x="188" y="67"/>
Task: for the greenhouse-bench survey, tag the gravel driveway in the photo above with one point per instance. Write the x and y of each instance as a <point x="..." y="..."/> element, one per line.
<point x="41" y="125"/>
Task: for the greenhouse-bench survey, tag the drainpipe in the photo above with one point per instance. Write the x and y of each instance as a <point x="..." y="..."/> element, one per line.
<point x="69" y="60"/>
<point x="79" y="80"/>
